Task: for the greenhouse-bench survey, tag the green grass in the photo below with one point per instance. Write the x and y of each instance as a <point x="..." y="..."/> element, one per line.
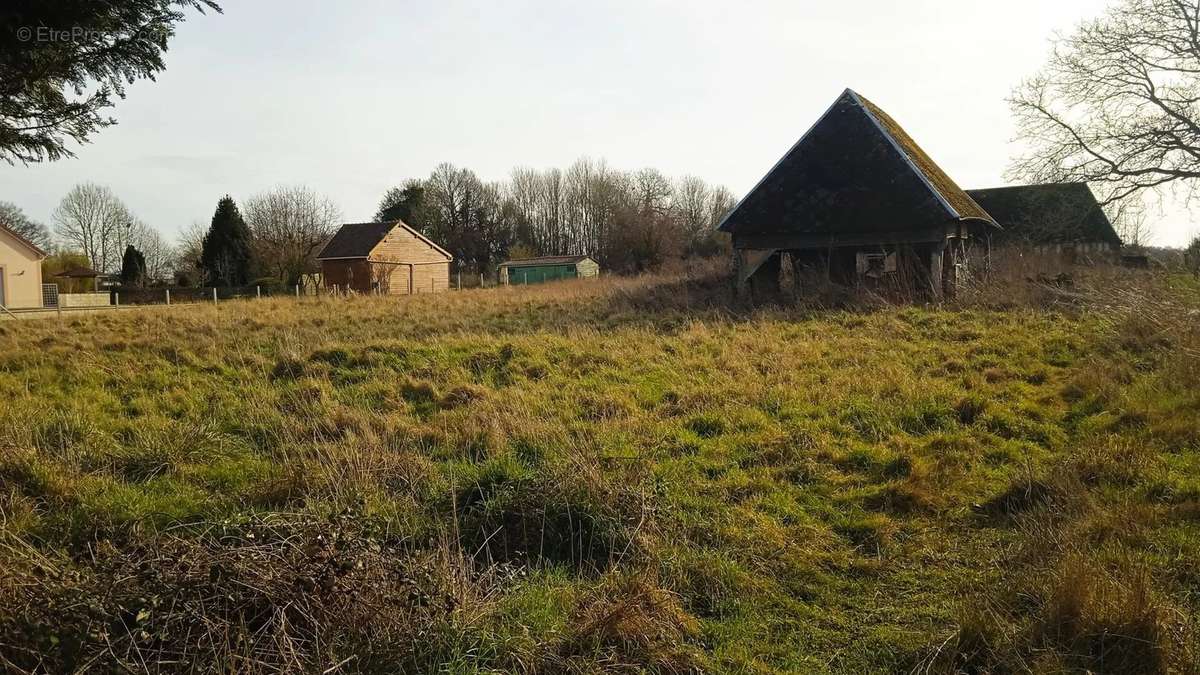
<point x="624" y="474"/>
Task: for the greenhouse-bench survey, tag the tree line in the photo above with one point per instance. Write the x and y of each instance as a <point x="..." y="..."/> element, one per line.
<point x="628" y="220"/>
<point x="275" y="243"/>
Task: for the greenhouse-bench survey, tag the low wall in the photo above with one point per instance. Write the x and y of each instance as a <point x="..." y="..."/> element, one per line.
<point x="69" y="300"/>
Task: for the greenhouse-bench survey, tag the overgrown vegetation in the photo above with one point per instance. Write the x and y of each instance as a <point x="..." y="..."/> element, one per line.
<point x="619" y="475"/>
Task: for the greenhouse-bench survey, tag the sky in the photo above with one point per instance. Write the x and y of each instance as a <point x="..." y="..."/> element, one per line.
<point x="352" y="97"/>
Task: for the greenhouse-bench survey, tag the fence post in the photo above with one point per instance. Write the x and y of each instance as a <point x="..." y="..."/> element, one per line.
<point x="460" y="280"/>
<point x="258" y="292"/>
<point x="116" y="299"/>
<point x="214" y="295"/>
<point x="297" y="291"/>
<point x="168" y="297"/>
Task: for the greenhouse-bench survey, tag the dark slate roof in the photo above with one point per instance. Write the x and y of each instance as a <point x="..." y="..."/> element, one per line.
<point x="356" y="240"/>
<point x="855" y="171"/>
<point x="546" y="260"/>
<point x="1054" y="213"/>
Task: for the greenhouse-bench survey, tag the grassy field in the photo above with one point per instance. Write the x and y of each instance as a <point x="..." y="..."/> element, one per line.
<point x="625" y="474"/>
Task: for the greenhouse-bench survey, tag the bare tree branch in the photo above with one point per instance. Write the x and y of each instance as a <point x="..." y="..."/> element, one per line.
<point x="1117" y="104"/>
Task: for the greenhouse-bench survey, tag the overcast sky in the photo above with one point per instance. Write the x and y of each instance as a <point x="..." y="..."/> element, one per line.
<point x="353" y="97"/>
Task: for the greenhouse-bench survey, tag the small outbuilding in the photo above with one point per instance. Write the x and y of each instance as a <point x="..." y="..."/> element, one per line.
<point x="1060" y="218"/>
<point x="547" y="268"/>
<point x="856" y="200"/>
<point x="20" y="271"/>
<point x="384" y="258"/>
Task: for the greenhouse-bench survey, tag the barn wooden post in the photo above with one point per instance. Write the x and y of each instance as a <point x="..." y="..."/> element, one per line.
<point x="168" y="297"/>
<point x="935" y="270"/>
<point x="755" y="269"/>
<point x="739" y="279"/>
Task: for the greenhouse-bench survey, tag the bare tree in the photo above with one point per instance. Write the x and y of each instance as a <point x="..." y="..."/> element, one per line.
<point x="720" y="203"/>
<point x="691" y="205"/>
<point x="12" y="217"/>
<point x="159" y="254"/>
<point x="189" y="246"/>
<point x="652" y="191"/>
<point x="1128" y="218"/>
<point x="92" y="220"/>
<point x="1118" y="103"/>
<point x="289" y="224"/>
<point x="629" y="220"/>
<point x="1191" y="255"/>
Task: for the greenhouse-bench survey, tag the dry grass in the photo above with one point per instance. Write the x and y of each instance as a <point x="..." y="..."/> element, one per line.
<point x="630" y="474"/>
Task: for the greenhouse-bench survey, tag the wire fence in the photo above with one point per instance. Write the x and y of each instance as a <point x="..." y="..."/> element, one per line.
<point x="131" y="295"/>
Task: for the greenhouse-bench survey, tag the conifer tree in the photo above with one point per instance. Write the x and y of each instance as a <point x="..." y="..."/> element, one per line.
<point x="225" y="255"/>
<point x="133" y="267"/>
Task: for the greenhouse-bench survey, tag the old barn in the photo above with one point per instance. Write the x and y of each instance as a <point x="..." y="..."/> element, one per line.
<point x="387" y="258"/>
<point x="1060" y="218"/>
<point x="856" y="200"/>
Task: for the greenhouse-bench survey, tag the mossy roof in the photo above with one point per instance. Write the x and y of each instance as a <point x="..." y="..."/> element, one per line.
<point x="855" y="171"/>
<point x="1051" y="213"/>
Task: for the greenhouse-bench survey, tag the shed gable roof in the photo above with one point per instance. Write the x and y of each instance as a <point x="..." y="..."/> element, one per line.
<point x="358" y="240"/>
<point x="1051" y="213"/>
<point x="855" y="171"/>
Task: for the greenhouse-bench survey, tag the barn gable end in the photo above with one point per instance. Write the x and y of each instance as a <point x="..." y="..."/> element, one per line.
<point x="855" y="172"/>
<point x="386" y="258"/>
<point x="857" y="198"/>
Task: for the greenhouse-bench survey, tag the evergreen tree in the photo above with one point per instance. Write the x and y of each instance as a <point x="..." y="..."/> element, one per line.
<point x="406" y="203"/>
<point x="63" y="63"/>
<point x="133" y="267"/>
<point x="225" y="252"/>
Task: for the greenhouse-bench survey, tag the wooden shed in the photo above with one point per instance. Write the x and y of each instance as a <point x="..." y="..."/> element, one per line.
<point x="386" y="258"/>
<point x="858" y="201"/>
<point x="547" y="268"/>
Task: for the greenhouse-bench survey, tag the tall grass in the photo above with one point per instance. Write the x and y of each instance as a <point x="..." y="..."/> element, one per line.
<point x="625" y="474"/>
